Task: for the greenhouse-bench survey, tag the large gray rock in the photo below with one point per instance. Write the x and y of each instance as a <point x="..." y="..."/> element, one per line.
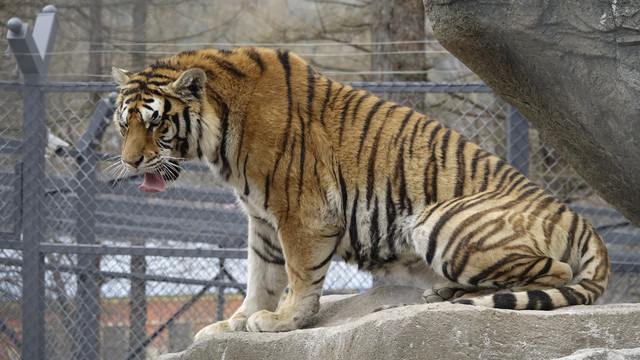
<point x="348" y="327"/>
<point x="571" y="67"/>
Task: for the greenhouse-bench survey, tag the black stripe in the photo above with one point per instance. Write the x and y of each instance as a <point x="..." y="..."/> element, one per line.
<point x="372" y="163"/>
<point x="343" y="191"/>
<point x="225" y="65"/>
<point x="253" y="55"/>
<point x="474" y="161"/>
<point x="345" y="111"/>
<point x="591" y="286"/>
<point x="175" y="118"/>
<point x="283" y="56"/>
<point x="365" y="128"/>
<point x="198" y="145"/>
<point x="433" y="162"/>
<point x="390" y="210"/>
<point x="187" y="122"/>
<point x="543" y="271"/>
<point x="426" y="123"/>
<point x="572" y="296"/>
<point x="504" y="301"/>
<point x="405" y="203"/>
<point x="287" y="178"/>
<point x="525" y="273"/>
<point x="338" y="94"/>
<point x="270" y="260"/>
<point x="266" y="193"/>
<point x="353" y="231"/>
<point x="316" y="282"/>
<point x="539" y="300"/>
<point x="264" y="221"/>
<point x="432" y="136"/>
<point x="226" y="168"/>
<point x="445" y="145"/>
<point x="404" y="123"/>
<point x="513" y="175"/>
<point x="374" y="253"/>
<point x="267" y="241"/>
<point x="302" y="154"/>
<point x="167" y="107"/>
<point x="158" y="83"/>
<point x="412" y="139"/>
<point x="244" y="171"/>
<point x="326" y="100"/>
<point x="485" y="180"/>
<point x="355" y="108"/>
<point x="571" y="238"/>
<point x="327" y="259"/>
<point x="460" y="179"/>
<point x="425" y="180"/>
<point x="501" y="164"/>
<point x="311" y="78"/>
<point x="433" y="236"/>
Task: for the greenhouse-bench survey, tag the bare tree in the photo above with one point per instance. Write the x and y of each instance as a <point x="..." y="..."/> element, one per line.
<point x="398" y="34"/>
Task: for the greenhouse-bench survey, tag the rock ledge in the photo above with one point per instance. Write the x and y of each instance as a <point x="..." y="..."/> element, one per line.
<point x="348" y="327"/>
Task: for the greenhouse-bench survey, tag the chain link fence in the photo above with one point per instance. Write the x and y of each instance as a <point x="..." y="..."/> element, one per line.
<point x="93" y="268"/>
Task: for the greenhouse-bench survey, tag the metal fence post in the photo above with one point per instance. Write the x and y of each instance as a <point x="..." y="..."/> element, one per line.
<point x="88" y="295"/>
<point x="32" y="56"/>
<point x="517" y="140"/>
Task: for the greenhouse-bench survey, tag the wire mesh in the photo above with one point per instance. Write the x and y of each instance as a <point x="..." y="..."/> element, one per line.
<point x="126" y="275"/>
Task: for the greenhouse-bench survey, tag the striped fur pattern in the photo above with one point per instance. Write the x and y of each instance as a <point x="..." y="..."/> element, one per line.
<point x="325" y="170"/>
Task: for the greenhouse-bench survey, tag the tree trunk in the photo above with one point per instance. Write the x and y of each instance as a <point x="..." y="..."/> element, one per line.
<point x="398" y="26"/>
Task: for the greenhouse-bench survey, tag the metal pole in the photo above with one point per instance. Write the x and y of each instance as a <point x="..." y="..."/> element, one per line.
<point x="517" y="140"/>
<point x="88" y="295"/>
<point x="32" y="58"/>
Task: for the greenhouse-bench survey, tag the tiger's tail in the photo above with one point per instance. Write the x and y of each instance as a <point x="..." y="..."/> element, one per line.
<point x="588" y="284"/>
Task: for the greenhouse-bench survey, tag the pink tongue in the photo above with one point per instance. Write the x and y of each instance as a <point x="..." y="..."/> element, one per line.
<point x="153" y="183"/>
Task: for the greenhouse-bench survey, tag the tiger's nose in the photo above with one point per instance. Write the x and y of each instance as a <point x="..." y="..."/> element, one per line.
<point x="135" y="163"/>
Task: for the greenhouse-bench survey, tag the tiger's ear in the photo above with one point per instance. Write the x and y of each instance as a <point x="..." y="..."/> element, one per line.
<point x="120" y="76"/>
<point x="190" y="84"/>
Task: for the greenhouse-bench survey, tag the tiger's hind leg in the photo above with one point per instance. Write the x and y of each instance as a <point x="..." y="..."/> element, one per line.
<point x="488" y="243"/>
<point x="445" y="291"/>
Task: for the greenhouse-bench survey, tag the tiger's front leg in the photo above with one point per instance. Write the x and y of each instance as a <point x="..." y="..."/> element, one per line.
<point x="266" y="280"/>
<point x="308" y="257"/>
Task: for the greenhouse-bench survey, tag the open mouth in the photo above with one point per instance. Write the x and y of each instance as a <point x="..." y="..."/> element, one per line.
<point x="153" y="183"/>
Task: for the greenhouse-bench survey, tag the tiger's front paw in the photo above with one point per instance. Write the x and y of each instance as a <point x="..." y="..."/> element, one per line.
<point x="267" y="321"/>
<point x="215" y="328"/>
<point x="236" y="323"/>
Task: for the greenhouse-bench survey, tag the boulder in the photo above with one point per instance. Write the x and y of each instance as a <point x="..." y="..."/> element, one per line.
<point x="572" y="68"/>
<point x="380" y="324"/>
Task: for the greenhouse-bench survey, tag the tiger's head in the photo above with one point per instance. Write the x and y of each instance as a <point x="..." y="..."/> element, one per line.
<point x="155" y="112"/>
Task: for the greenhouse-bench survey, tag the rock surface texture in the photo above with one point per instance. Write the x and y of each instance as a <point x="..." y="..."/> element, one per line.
<point x="572" y="68"/>
<point x="354" y="327"/>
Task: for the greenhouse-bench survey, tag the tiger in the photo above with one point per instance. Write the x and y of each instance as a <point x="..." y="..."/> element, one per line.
<point x="325" y="170"/>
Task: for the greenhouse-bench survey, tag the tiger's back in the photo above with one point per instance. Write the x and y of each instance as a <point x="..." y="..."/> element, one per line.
<point x="323" y="169"/>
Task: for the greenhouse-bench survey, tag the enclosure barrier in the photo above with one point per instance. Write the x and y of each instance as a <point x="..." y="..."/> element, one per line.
<point x="93" y="268"/>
